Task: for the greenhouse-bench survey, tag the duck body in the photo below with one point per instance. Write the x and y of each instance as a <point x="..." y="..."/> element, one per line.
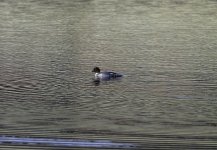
<point x="105" y="75"/>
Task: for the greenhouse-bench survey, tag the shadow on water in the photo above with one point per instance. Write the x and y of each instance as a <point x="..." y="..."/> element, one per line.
<point x="98" y="81"/>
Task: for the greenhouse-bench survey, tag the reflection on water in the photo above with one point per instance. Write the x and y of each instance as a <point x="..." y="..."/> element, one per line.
<point x="65" y="143"/>
<point x="165" y="49"/>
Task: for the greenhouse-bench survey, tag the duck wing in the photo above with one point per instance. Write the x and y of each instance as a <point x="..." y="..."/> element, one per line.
<point x="114" y="74"/>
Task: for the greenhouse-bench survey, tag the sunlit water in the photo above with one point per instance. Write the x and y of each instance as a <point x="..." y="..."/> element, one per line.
<point x="166" y="49"/>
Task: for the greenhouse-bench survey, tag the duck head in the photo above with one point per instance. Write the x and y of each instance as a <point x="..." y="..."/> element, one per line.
<point x="96" y="70"/>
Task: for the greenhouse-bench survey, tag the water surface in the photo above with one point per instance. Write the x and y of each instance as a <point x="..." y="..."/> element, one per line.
<point x="167" y="51"/>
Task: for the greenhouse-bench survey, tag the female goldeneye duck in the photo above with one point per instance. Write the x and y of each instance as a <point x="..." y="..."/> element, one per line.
<point x="105" y="75"/>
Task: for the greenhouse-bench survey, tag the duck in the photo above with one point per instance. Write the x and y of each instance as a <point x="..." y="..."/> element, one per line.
<point x="105" y="75"/>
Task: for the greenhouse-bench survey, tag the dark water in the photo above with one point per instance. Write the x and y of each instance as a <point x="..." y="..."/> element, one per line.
<point x="167" y="50"/>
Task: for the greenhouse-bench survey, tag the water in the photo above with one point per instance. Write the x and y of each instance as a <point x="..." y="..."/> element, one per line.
<point x="167" y="51"/>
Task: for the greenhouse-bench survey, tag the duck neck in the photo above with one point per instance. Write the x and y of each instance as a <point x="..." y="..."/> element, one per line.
<point x="97" y="74"/>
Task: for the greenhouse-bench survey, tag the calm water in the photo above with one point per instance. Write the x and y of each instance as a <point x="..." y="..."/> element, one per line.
<point x="167" y="50"/>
